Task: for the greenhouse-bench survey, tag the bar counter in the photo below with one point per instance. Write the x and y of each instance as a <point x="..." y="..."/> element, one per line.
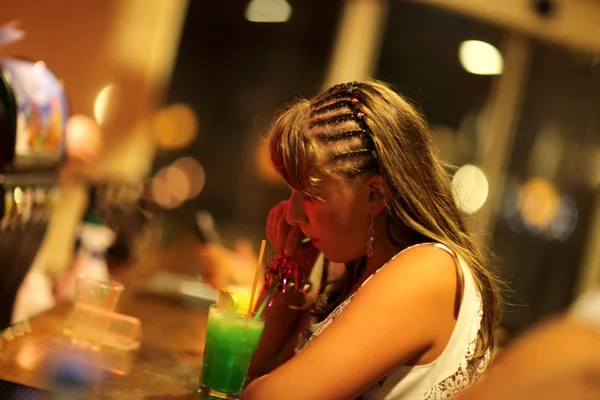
<point x="166" y="366"/>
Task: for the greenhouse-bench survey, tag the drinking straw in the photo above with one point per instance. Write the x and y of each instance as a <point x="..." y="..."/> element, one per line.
<point x="256" y="276"/>
<point x="266" y="299"/>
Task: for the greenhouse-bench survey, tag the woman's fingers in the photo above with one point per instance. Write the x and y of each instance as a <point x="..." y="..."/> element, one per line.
<point x="292" y="241"/>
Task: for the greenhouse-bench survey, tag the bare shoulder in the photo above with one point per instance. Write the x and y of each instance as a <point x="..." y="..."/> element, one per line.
<point x="426" y="271"/>
<point x="420" y="283"/>
<point x="435" y="258"/>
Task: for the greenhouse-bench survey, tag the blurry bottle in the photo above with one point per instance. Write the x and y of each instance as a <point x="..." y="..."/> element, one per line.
<point x="95" y="239"/>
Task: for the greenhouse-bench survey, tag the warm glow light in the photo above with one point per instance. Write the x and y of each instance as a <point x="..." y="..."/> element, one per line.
<point x="194" y="173"/>
<point x="538" y="203"/>
<point x="102" y="101"/>
<point x="480" y="58"/>
<point x="171" y="186"/>
<point x="30" y="355"/>
<point x="470" y="188"/>
<point x="160" y="192"/>
<point x="177" y="183"/>
<point x="263" y="165"/>
<point x="18" y="195"/>
<point x="268" y="11"/>
<point x="84" y="139"/>
<point x="175" y="127"/>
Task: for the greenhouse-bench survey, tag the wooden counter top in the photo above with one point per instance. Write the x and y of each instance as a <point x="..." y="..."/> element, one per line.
<point x="167" y="365"/>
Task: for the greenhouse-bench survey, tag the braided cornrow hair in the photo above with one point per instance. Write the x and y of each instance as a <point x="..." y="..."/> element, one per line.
<point x="337" y="121"/>
<point x="360" y="128"/>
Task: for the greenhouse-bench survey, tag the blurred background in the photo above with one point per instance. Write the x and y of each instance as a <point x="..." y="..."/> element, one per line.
<point x="184" y="92"/>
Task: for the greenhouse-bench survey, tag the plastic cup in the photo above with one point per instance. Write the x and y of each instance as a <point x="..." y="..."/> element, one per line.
<point x="95" y="301"/>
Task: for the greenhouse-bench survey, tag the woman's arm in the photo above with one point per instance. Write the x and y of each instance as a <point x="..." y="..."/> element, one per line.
<point x="405" y="310"/>
<point x="282" y="326"/>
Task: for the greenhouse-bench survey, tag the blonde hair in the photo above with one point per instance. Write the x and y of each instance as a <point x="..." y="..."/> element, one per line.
<point x="359" y="128"/>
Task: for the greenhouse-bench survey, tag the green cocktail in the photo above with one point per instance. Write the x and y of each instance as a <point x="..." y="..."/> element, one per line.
<point x="231" y="340"/>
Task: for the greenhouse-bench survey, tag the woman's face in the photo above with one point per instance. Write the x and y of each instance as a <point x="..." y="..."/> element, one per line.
<point x="337" y="223"/>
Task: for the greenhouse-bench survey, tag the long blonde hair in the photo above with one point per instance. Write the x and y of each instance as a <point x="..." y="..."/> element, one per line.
<point x="358" y="128"/>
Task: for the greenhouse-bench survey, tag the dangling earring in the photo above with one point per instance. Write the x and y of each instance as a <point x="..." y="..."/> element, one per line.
<point x="371" y="233"/>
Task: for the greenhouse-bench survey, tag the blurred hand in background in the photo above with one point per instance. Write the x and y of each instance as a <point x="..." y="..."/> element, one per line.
<point x="558" y="360"/>
<point x="220" y="266"/>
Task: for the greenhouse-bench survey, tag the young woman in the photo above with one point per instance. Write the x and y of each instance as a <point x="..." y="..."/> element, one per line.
<point x="414" y="314"/>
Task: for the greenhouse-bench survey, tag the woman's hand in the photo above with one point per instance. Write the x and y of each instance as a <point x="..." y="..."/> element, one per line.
<point x="287" y="238"/>
<point x="220" y="266"/>
<point x="283" y="324"/>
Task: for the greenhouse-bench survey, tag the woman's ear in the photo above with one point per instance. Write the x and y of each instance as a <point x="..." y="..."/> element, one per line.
<point x="378" y="194"/>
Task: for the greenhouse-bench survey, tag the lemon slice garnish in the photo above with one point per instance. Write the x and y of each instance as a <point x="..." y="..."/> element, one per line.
<point x="242" y="294"/>
<point x="227" y="301"/>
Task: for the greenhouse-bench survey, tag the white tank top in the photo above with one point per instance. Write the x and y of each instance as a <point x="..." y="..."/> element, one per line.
<point x="451" y="373"/>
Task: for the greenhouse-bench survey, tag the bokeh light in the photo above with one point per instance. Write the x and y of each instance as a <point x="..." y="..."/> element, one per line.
<point x="104" y="98"/>
<point x="194" y="173"/>
<point x="470" y="188"/>
<point x="263" y="166"/>
<point x="268" y="11"/>
<point x="565" y="220"/>
<point x="160" y="192"/>
<point x="537" y="207"/>
<point x="30" y="354"/>
<point x="178" y="183"/>
<point x="175" y="127"/>
<point x="480" y="58"/>
<point x="18" y="195"/>
<point x="84" y="138"/>
<point x="538" y="203"/>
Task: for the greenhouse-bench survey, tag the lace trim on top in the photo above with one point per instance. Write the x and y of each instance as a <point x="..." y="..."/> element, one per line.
<point x="469" y="370"/>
